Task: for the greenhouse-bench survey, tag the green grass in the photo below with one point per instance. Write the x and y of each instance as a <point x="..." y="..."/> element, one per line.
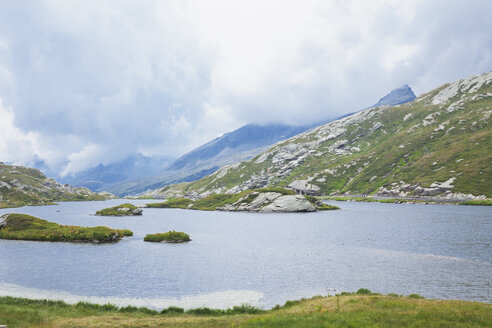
<point x="114" y="211"/>
<point x="179" y="202"/>
<point x="482" y="202"/>
<point x="26" y="227"/>
<point x="360" y="309"/>
<point x="168" y="237"/>
<point x="320" y="206"/>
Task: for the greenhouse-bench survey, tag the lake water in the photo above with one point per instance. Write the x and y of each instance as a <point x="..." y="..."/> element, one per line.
<point x="438" y="251"/>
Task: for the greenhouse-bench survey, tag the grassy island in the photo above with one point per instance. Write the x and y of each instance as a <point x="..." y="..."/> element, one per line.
<point x="26" y="227"/>
<point x="168" y="237"/>
<point x="251" y="200"/>
<point x="361" y="309"/>
<point x="126" y="209"/>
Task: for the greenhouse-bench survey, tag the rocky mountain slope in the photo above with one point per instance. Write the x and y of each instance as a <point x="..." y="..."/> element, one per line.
<point x="440" y="144"/>
<point x="238" y="145"/>
<point x="20" y="186"/>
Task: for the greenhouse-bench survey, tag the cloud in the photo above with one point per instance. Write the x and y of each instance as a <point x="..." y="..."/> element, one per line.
<point x="90" y="82"/>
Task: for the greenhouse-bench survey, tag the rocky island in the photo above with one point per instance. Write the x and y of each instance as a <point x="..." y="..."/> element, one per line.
<point x="25" y="227"/>
<point x="126" y="209"/>
<point x="168" y="237"/>
<point x="257" y="200"/>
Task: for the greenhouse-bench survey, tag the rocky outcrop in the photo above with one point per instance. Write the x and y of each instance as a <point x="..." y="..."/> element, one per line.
<point x="270" y="202"/>
<point x="289" y="203"/>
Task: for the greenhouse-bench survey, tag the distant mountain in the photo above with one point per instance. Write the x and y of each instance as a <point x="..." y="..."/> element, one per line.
<point x="104" y="177"/>
<point x="21" y="186"/>
<point x="236" y="146"/>
<point x="397" y="96"/>
<point x="437" y="145"/>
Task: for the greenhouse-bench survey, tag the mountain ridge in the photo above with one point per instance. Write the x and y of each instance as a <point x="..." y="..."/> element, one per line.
<point x="438" y="144"/>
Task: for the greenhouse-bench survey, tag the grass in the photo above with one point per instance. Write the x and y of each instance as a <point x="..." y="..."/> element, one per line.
<point x="320" y="206"/>
<point x="26" y="227"/>
<point x="360" y="309"/>
<point x="482" y="202"/>
<point x="179" y="202"/>
<point x="168" y="237"/>
<point x="119" y="210"/>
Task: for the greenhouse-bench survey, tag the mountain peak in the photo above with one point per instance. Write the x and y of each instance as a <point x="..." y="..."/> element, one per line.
<point x="397" y="96"/>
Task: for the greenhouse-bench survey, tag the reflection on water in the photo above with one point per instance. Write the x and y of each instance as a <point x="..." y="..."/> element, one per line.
<point x="439" y="251"/>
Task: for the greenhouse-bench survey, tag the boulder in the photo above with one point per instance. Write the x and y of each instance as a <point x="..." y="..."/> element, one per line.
<point x="3" y="220"/>
<point x="137" y="211"/>
<point x="289" y="203"/>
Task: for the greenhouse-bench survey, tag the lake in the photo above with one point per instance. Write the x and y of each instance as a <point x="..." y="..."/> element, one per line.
<point x="438" y="251"/>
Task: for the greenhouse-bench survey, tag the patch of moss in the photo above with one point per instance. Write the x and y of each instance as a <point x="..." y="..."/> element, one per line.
<point x="168" y="237"/>
<point x="120" y="210"/>
<point x="26" y="227"/>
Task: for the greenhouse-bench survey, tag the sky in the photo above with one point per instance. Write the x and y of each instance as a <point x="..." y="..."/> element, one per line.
<point x="89" y="82"/>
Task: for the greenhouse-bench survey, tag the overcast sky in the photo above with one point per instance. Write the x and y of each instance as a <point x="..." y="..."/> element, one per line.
<point x="85" y="82"/>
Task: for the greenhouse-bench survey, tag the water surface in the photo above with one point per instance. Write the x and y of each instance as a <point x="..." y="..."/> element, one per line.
<point x="438" y="251"/>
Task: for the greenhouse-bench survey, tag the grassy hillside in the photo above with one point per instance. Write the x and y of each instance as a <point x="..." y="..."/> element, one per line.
<point x="439" y="144"/>
<point x="21" y="186"/>
<point x="362" y="309"/>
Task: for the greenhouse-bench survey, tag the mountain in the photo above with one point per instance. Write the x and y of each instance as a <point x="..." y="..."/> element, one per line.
<point x="104" y="177"/>
<point x="21" y="186"/>
<point x="238" y="145"/>
<point x="397" y="96"/>
<point x="440" y="144"/>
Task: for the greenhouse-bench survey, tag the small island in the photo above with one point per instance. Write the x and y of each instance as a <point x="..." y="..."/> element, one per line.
<point x="126" y="209"/>
<point x="26" y="227"/>
<point x="168" y="237"/>
<point x="253" y="200"/>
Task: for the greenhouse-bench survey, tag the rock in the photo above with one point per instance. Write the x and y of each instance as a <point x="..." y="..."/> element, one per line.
<point x="290" y="203"/>
<point x="303" y="187"/>
<point x="137" y="211"/>
<point x="3" y="220"/>
<point x="123" y="209"/>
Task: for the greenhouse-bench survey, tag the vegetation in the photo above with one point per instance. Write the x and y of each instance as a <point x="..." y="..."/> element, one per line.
<point x="320" y="206"/>
<point x="482" y="202"/>
<point x="214" y="201"/>
<point x="173" y="203"/>
<point x="360" y="309"/>
<point x="168" y="237"/>
<point x="26" y="227"/>
<point x="20" y="186"/>
<point x="120" y="210"/>
<point x="415" y="144"/>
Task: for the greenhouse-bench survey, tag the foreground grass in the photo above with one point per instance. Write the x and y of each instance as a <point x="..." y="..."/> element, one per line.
<point x="362" y="309"/>
<point x="26" y="227"/>
<point x="120" y="210"/>
<point x="168" y="237"/>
